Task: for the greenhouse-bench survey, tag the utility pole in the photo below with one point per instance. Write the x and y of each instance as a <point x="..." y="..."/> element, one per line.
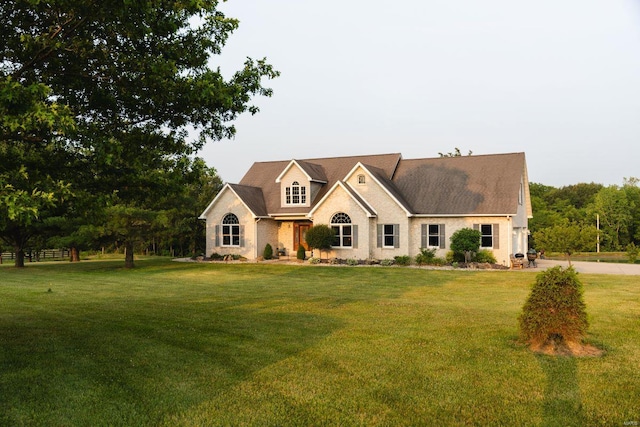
<point x="598" y="227"/>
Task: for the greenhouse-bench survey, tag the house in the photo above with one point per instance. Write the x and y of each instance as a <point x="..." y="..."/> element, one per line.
<point x="379" y="206"/>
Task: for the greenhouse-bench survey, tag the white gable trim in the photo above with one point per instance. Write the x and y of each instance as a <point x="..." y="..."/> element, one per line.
<point x="384" y="188"/>
<point x="290" y="165"/>
<point x="213" y="202"/>
<point x="335" y="186"/>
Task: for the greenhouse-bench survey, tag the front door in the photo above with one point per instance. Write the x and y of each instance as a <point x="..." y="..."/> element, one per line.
<point x="299" y="234"/>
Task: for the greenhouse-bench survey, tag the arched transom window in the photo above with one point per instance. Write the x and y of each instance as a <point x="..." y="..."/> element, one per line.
<point x="230" y="230"/>
<point x="343" y="230"/>
<point x="295" y="194"/>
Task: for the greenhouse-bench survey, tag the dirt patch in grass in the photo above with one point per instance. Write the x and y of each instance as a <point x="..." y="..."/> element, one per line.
<point x="560" y="347"/>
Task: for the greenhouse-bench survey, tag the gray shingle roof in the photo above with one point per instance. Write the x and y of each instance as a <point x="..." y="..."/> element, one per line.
<point x="468" y="185"/>
<point x="316" y="172"/>
<point x="252" y="197"/>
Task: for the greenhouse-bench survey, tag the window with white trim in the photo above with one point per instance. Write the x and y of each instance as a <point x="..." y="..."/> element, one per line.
<point x="521" y="195"/>
<point x="388" y="236"/>
<point x="343" y="230"/>
<point x="295" y="194"/>
<point x="230" y="230"/>
<point x="433" y="236"/>
<point x="486" y="236"/>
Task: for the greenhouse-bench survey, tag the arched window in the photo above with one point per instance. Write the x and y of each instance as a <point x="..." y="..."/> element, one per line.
<point x="230" y="230"/>
<point x="296" y="194"/>
<point x="343" y="230"/>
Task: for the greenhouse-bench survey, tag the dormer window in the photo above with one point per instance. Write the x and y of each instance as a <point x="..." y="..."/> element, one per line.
<point x="296" y="194"/>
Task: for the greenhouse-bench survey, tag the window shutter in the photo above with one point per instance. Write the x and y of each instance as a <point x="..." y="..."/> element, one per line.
<point x="216" y="238"/>
<point x="379" y="244"/>
<point x="442" y="237"/>
<point x="354" y="238"/>
<point x="496" y="236"/>
<point x="242" y="236"/>
<point x="396" y="235"/>
<point x="423" y="236"/>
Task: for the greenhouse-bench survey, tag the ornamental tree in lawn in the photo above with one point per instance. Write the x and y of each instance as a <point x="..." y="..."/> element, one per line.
<point x="567" y="238"/>
<point x="320" y="237"/>
<point x="465" y="241"/>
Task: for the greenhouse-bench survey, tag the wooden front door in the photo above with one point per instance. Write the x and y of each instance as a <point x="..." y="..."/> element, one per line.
<point x="299" y="233"/>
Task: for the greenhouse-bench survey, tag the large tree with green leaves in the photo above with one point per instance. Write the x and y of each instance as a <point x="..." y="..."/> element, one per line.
<point x="615" y="211"/>
<point x="137" y="78"/>
<point x="632" y="191"/>
<point x="567" y="238"/>
<point x="33" y="155"/>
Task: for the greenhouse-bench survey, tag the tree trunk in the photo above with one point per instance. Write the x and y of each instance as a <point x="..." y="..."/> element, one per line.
<point x="74" y="254"/>
<point x="128" y="255"/>
<point x="19" y="263"/>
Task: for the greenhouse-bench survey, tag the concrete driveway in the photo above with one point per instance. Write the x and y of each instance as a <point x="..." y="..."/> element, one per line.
<point x="591" y="267"/>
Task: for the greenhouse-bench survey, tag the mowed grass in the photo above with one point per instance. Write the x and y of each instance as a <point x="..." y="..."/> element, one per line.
<point x="260" y="344"/>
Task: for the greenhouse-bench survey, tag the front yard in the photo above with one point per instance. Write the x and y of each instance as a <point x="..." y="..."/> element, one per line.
<point x="255" y="344"/>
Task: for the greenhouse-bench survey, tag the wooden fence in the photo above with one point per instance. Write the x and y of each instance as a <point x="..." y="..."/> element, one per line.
<point x="31" y="256"/>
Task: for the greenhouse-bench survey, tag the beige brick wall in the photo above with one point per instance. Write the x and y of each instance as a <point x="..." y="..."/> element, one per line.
<point x="454" y="224"/>
<point x="285" y="237"/>
<point x="229" y="203"/>
<point x="388" y="212"/>
<point x="266" y="232"/>
<point x="340" y="201"/>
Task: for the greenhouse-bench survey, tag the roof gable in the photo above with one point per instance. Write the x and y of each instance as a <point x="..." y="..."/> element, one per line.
<point x="251" y="198"/>
<point x="313" y="172"/>
<point x="264" y="175"/>
<point x="359" y="201"/>
<point x="385" y="183"/>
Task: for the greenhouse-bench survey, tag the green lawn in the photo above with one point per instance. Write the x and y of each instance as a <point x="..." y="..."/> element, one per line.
<point x="261" y="344"/>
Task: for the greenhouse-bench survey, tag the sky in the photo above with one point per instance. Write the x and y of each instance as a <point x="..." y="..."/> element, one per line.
<point x="556" y="79"/>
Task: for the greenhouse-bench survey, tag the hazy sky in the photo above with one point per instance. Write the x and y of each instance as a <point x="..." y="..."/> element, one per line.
<point x="557" y="79"/>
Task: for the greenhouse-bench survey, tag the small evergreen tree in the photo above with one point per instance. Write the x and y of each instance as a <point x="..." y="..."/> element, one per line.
<point x="555" y="311"/>
<point x="268" y="252"/>
<point x="301" y="253"/>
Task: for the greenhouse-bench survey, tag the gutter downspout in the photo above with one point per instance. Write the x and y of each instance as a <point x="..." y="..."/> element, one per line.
<point x="255" y="239"/>
<point x="509" y="241"/>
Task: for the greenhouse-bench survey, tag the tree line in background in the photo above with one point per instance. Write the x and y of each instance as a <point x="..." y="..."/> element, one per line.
<point x="103" y="107"/>
<point x="580" y="217"/>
